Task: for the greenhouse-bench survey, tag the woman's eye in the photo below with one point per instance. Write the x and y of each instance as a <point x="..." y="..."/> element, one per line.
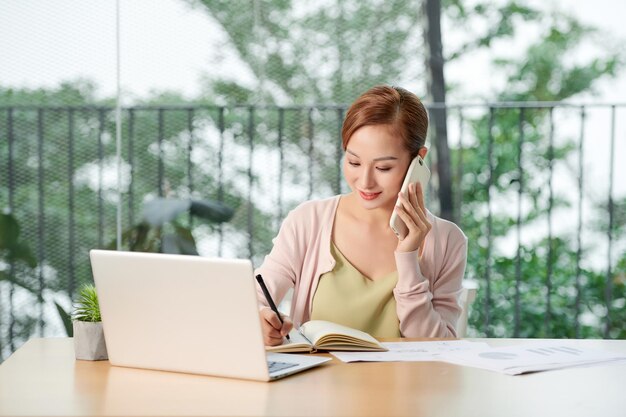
<point x="383" y="169"/>
<point x="354" y="164"/>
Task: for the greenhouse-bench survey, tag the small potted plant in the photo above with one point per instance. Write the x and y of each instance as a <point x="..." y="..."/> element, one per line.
<point x="89" y="341"/>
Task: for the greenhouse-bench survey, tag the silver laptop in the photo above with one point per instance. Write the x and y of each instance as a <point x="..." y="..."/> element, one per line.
<point x="186" y="314"/>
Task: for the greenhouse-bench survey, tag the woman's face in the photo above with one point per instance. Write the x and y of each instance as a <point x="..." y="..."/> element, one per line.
<point x="374" y="166"/>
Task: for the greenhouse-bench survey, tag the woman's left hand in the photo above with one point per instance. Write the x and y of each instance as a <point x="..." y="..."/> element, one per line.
<point x="413" y="213"/>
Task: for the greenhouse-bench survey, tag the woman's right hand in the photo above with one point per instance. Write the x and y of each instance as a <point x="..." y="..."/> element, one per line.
<point x="273" y="330"/>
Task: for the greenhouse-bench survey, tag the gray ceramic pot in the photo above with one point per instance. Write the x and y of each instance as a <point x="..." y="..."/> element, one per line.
<point x="89" y="344"/>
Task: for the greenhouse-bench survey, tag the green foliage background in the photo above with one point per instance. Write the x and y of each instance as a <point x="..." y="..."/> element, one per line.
<point x="288" y="126"/>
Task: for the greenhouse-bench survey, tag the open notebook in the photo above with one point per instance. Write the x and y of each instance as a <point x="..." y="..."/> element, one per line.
<point x="317" y="335"/>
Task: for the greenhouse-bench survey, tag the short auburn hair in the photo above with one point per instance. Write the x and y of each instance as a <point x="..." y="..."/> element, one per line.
<point x="393" y="106"/>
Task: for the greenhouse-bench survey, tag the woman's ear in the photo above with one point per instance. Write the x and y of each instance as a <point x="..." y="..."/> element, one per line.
<point x="422" y="152"/>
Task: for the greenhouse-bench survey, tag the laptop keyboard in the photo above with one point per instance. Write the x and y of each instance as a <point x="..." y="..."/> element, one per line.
<point x="275" y="366"/>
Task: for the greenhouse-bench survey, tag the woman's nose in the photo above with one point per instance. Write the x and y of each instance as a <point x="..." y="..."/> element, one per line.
<point x="367" y="179"/>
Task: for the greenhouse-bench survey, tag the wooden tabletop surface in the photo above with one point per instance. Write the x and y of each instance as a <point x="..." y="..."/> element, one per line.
<point x="42" y="378"/>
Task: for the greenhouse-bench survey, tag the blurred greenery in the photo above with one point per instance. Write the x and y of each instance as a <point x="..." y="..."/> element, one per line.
<point x="17" y="267"/>
<point x="544" y="74"/>
<point x="159" y="231"/>
<point x="194" y="151"/>
<point x="362" y="43"/>
<point x="14" y="250"/>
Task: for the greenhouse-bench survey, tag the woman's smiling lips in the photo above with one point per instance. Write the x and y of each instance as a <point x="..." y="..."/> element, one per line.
<point x="369" y="196"/>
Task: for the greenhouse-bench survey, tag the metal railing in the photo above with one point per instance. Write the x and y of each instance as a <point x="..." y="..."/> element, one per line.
<point x="264" y="160"/>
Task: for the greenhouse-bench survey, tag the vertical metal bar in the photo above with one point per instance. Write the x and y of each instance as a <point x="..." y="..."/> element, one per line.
<point x="12" y="313"/>
<point x="608" y="290"/>
<point x="100" y="174"/>
<point x="490" y="139"/>
<point x="580" y="221"/>
<point x="310" y="137"/>
<point x="131" y="162"/>
<point x="220" y="174"/>
<point x="459" y="172"/>
<point x="118" y="132"/>
<point x="518" y="256"/>
<point x="189" y="151"/>
<point x="250" y="182"/>
<point x="11" y="175"/>
<point x="70" y="174"/>
<point x="1" y="317"/>
<point x="550" y="259"/>
<point x="40" y="219"/>
<point x="11" y="206"/>
<point x="339" y="151"/>
<point x="160" y="139"/>
<point x="281" y="161"/>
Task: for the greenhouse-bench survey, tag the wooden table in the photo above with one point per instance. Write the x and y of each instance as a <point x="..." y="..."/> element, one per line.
<point x="43" y="378"/>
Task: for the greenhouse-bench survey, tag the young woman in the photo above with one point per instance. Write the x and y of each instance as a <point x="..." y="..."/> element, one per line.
<point x="340" y="256"/>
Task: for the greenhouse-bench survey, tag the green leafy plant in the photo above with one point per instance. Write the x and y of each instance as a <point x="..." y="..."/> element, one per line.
<point x="66" y="319"/>
<point x="87" y="307"/>
<point x="17" y="267"/>
<point x="15" y="251"/>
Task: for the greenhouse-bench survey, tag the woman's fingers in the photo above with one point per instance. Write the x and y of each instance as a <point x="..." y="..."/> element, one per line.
<point x="411" y="210"/>
<point x="417" y="200"/>
<point x="417" y="203"/>
<point x="273" y="329"/>
<point x="414" y="216"/>
<point x="287" y="325"/>
<point x="271" y="317"/>
<point x="413" y="195"/>
<point x="410" y="219"/>
<point x="405" y="218"/>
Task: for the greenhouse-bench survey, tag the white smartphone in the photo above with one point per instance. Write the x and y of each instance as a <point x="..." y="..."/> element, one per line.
<point x="418" y="171"/>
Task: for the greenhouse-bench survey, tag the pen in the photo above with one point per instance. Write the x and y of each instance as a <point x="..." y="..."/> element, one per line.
<point x="268" y="297"/>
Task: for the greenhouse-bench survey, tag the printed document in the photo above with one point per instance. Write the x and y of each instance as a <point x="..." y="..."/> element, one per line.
<point x="512" y="360"/>
<point x="411" y="351"/>
<point x="532" y="357"/>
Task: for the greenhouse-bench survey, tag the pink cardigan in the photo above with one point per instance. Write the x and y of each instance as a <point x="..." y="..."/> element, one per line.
<point x="428" y="287"/>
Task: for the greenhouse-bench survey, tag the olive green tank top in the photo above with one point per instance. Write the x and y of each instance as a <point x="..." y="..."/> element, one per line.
<point x="347" y="297"/>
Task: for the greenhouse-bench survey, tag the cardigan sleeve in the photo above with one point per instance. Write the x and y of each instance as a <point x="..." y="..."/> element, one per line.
<point x="431" y="312"/>
<point x="281" y="266"/>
